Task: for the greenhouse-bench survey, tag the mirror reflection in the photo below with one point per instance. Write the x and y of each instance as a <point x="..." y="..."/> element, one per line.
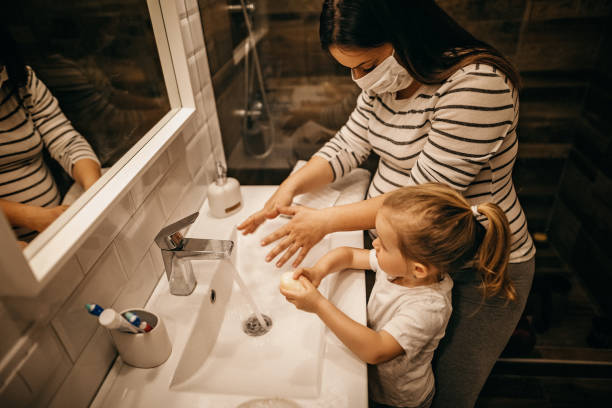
<point x="81" y="83"/>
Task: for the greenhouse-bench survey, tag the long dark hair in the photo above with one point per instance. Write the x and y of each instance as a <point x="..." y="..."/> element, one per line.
<point x="12" y="59"/>
<point x="427" y="41"/>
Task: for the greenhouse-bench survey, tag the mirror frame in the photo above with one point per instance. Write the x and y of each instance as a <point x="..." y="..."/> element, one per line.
<point x="25" y="273"/>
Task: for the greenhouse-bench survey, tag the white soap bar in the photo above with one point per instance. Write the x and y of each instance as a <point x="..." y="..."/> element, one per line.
<point x="288" y="283"/>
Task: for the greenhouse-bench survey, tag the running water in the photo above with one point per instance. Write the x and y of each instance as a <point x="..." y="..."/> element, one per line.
<point x="247" y="294"/>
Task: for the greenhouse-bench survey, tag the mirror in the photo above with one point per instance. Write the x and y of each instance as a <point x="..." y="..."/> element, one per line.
<point x="100" y="60"/>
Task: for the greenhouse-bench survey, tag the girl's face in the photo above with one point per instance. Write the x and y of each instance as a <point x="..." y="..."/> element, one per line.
<point x="361" y="60"/>
<point x="387" y="249"/>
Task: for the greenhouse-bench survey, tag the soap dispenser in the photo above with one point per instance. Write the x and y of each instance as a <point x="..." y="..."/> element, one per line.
<point x="224" y="196"/>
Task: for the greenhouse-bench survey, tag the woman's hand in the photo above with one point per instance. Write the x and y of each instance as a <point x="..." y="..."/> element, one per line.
<point x="302" y="232"/>
<point x="282" y="197"/>
<point x="307" y="299"/>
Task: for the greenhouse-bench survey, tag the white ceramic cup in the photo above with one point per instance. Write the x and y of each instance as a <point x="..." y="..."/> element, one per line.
<point x="144" y="350"/>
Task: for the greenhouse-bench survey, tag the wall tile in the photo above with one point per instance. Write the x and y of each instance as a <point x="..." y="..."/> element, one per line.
<point x="73" y="324"/>
<point x="186" y="34"/>
<point x="209" y="101"/>
<point x="135" y="238"/>
<point x="193" y="74"/>
<point x="152" y="176"/>
<point x="174" y="185"/>
<point x="42" y="308"/>
<point x="45" y="368"/>
<point x="108" y="229"/>
<point x="16" y="394"/>
<point x="197" y="35"/>
<point x="11" y="330"/>
<point x="191" y="6"/>
<point x="140" y="286"/>
<point x="202" y="63"/>
<point x="88" y="373"/>
<point x="176" y="150"/>
<point x="195" y="155"/>
<point x="180" y="8"/>
<point x="158" y="262"/>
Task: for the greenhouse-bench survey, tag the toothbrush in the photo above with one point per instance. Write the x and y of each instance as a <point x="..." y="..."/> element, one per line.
<point x="136" y="321"/>
<point x="113" y="320"/>
<point x="94" y="309"/>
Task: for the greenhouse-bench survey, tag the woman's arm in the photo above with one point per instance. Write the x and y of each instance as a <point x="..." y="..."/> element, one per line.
<point x="29" y="216"/>
<point x="86" y="172"/>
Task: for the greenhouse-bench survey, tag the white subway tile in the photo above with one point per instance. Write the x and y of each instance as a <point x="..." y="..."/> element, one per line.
<point x="137" y="290"/>
<point x="191" y="6"/>
<point x="98" y="241"/>
<point x="45" y="368"/>
<point x="202" y="60"/>
<point x="11" y="330"/>
<point x="176" y="150"/>
<point x="152" y="176"/>
<point x="173" y="186"/>
<point x="196" y="154"/>
<point x="210" y="106"/>
<point x="197" y="36"/>
<point x="74" y="326"/>
<point x="193" y="74"/>
<point x="180" y="8"/>
<point x="134" y="239"/>
<point x="158" y="261"/>
<point x="186" y="34"/>
<point x="15" y="394"/>
<point x="189" y="131"/>
<point x="191" y="201"/>
<point x="200" y="105"/>
<point x="89" y="371"/>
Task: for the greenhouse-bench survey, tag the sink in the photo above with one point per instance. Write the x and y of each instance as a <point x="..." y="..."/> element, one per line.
<point x="219" y="357"/>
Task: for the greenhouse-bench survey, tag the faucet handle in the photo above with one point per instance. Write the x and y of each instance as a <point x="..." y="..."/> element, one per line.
<point x="170" y="236"/>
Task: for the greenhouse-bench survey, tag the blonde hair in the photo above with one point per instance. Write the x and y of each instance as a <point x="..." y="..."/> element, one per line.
<point x="436" y="226"/>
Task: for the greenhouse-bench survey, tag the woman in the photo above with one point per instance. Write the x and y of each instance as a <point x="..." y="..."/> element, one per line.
<point x="31" y="121"/>
<point x="437" y="106"/>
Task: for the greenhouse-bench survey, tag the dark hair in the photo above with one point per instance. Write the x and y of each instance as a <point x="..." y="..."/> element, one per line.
<point x="12" y="59"/>
<point x="427" y="41"/>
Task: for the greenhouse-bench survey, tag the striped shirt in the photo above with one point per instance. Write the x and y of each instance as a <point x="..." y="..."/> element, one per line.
<point x="26" y="129"/>
<point x="461" y="133"/>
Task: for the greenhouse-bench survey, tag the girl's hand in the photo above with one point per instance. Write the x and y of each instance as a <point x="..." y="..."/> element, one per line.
<point x="302" y="232"/>
<point x="282" y="197"/>
<point x="307" y="299"/>
<point x="42" y="217"/>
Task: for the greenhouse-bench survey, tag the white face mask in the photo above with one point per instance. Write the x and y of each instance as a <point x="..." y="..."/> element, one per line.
<point x="388" y="76"/>
<point x="3" y="76"/>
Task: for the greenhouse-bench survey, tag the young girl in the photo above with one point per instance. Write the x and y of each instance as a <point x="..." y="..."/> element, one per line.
<point x="425" y="234"/>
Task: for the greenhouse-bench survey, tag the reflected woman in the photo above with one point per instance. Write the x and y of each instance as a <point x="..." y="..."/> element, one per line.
<point x="31" y="122"/>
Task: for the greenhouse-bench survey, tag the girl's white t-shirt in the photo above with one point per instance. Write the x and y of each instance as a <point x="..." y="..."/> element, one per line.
<point x="416" y="318"/>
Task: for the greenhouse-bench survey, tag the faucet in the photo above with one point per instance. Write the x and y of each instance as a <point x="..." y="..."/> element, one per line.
<point x="177" y="252"/>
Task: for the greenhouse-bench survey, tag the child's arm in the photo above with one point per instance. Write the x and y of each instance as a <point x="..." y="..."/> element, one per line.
<point x="335" y="260"/>
<point x="370" y="346"/>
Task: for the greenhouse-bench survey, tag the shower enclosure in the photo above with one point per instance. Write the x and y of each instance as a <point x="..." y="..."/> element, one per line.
<point x="280" y="97"/>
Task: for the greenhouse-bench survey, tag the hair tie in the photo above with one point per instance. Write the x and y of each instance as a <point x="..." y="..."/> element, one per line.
<point x="474" y="209"/>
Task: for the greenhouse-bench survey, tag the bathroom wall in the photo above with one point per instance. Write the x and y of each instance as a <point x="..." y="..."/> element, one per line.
<point x="581" y="224"/>
<point x="53" y="353"/>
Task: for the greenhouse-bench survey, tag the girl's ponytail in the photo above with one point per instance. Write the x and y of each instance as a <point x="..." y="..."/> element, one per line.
<point x="493" y="254"/>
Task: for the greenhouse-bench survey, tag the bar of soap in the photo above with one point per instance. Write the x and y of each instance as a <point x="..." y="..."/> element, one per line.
<point x="288" y="283"/>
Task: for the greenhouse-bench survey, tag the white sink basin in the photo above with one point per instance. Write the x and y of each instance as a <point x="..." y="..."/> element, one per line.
<point x="214" y="364"/>
<point x="221" y="358"/>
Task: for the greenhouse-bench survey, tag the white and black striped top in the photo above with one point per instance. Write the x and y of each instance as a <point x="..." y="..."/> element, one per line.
<point x="461" y="133"/>
<point x="26" y="129"/>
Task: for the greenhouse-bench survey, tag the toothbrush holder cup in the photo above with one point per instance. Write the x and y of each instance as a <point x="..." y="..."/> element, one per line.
<point x="144" y="350"/>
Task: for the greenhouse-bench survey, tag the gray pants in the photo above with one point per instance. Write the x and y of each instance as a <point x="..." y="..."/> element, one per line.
<point x="476" y="335"/>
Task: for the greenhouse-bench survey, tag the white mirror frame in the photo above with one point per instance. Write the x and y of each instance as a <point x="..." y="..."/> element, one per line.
<point x="25" y="273"/>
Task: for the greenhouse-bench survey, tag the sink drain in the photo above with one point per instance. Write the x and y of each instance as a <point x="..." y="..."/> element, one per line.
<point x="252" y="326"/>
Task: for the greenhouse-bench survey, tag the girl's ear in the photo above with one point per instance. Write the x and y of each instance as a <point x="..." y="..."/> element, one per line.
<point x="420" y="270"/>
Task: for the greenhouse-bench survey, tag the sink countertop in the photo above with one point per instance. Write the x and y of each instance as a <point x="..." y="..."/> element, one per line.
<point x="344" y="375"/>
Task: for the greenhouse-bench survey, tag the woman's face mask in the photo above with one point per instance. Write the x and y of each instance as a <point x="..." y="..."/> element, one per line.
<point x="3" y="76"/>
<point x="388" y="76"/>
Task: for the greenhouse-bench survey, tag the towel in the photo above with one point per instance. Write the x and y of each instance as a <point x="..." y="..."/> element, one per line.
<point x="349" y="189"/>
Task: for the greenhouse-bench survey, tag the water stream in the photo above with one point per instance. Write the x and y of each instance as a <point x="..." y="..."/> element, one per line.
<point x="247" y="294"/>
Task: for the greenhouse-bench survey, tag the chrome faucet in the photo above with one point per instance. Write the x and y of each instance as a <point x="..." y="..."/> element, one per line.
<point x="177" y="252"/>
